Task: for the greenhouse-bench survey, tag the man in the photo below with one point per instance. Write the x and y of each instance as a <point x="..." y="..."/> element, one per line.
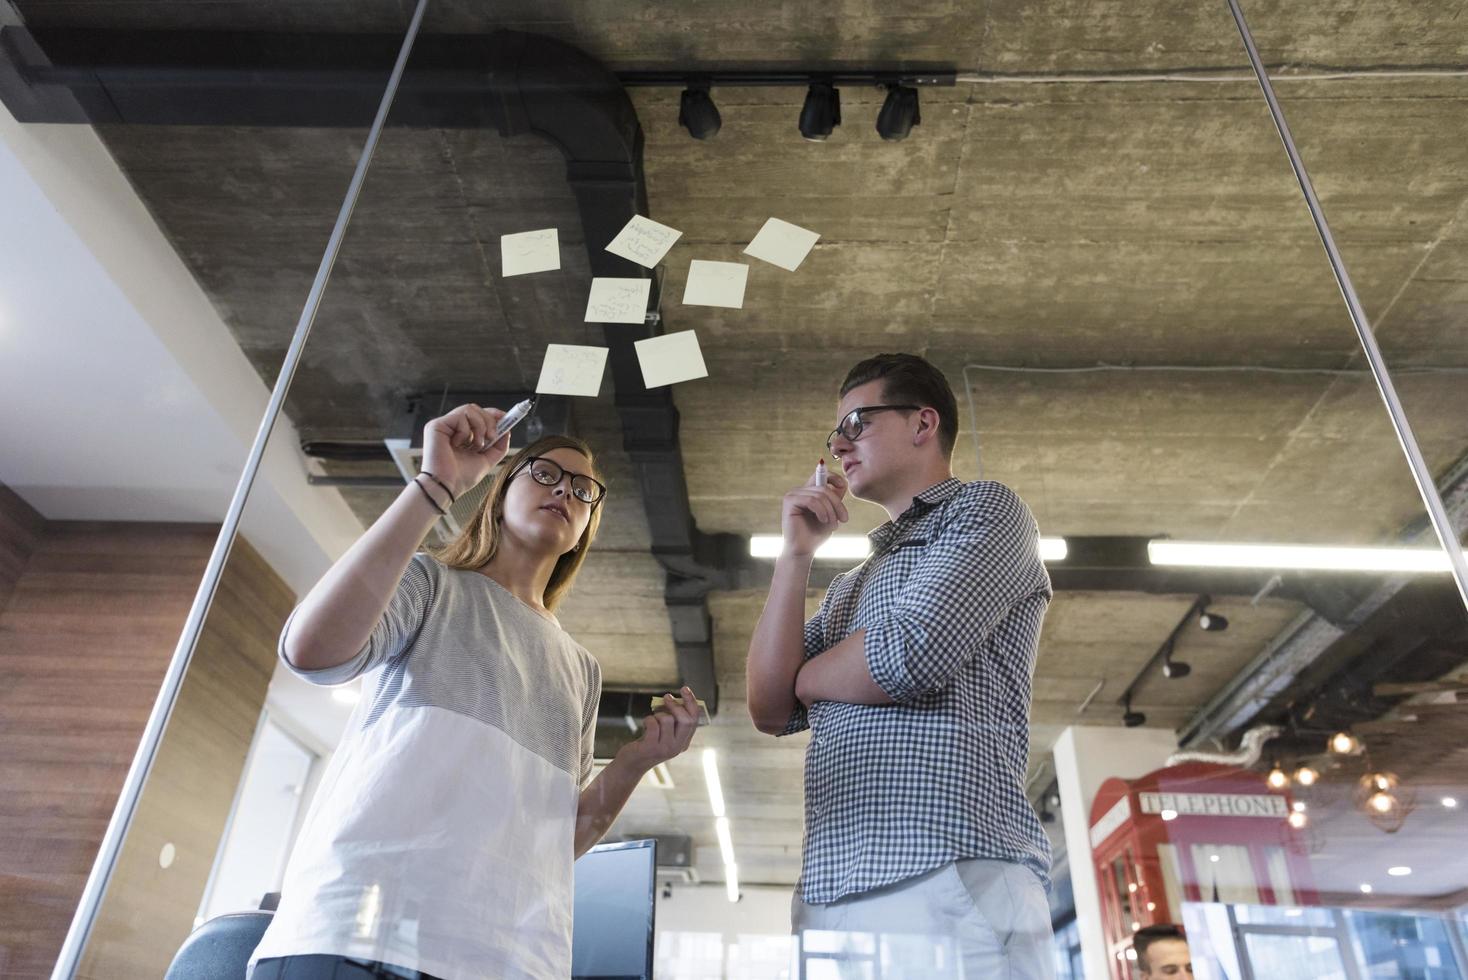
<point x="1162" y="951"/>
<point x="915" y="680"/>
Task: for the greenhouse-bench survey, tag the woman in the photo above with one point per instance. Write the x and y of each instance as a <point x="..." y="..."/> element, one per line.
<point x="441" y="840"/>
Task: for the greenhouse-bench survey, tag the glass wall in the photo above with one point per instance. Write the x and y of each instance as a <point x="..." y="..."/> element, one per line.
<point x="1244" y="759"/>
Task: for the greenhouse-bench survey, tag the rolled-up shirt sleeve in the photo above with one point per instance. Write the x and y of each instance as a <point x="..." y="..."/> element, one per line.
<point x="815" y="642"/>
<point x="390" y="638"/>
<point x="984" y="561"/>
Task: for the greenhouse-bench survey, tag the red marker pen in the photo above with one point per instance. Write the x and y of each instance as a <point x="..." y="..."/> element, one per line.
<point x="821" y="472"/>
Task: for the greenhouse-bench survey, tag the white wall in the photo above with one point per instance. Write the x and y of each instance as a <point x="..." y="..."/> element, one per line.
<point x="123" y="394"/>
<point x="701" y="935"/>
<point x="761" y="910"/>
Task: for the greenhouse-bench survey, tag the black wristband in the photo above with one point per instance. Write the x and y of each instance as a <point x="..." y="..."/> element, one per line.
<point x="429" y="497"/>
<point x="452" y="498"/>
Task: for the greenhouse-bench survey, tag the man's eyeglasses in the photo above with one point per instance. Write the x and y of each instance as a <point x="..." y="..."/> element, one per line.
<point x="549" y="473"/>
<point x="852" y="425"/>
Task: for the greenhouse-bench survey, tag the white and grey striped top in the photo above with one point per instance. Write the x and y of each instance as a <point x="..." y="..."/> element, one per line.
<point x="442" y="836"/>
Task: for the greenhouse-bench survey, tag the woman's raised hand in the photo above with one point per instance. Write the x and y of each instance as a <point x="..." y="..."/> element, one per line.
<point x="460" y="448"/>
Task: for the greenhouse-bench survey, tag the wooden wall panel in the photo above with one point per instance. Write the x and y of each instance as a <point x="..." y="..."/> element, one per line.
<point x="84" y="641"/>
<point x="149" y="911"/>
<point x="20" y="529"/>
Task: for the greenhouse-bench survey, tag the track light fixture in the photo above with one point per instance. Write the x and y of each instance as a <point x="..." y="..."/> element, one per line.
<point x="1173" y="669"/>
<point x="1212" y="622"/>
<point x="697" y="112"/>
<point x="899" y="113"/>
<point x="821" y="112"/>
<point x="1130" y="718"/>
<point x="1307" y="776"/>
<point x="1277" y="778"/>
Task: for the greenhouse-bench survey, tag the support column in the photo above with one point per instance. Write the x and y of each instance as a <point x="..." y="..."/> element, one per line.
<point x="1085" y="757"/>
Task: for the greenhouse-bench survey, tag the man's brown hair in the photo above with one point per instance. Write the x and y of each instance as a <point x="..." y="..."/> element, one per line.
<point x="909" y="379"/>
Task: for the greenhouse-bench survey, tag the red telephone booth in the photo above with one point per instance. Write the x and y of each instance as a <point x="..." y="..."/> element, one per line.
<point x="1196" y="832"/>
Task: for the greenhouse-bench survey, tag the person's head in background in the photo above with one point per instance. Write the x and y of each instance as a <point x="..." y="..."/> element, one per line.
<point x="1162" y="951"/>
<point x="520" y="512"/>
<point x="897" y="422"/>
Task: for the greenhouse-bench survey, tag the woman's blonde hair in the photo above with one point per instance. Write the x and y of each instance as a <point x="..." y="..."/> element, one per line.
<point x="478" y="543"/>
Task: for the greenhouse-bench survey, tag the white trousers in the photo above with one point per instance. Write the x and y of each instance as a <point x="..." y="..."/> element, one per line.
<point x="974" y="919"/>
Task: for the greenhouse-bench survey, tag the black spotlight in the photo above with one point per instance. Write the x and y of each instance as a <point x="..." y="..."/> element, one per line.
<point x="1173" y="669"/>
<point x="698" y="114"/>
<point x="1212" y="622"/>
<point x="821" y="112"/>
<point x="1046" y="816"/>
<point x="1130" y="718"/>
<point x="899" y="113"/>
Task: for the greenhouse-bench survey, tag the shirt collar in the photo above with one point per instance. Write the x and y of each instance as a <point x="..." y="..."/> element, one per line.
<point x="921" y="504"/>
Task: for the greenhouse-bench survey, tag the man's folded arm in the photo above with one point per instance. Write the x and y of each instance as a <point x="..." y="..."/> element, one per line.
<point x="969" y="577"/>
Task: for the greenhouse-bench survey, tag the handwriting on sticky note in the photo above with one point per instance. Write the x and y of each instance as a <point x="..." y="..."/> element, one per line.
<point x="530" y="251"/>
<point x="618" y="300"/>
<point x="644" y="241"/>
<point x="715" y="284"/>
<point x="783" y="244"/>
<point x="671" y="358"/>
<point x="572" y="370"/>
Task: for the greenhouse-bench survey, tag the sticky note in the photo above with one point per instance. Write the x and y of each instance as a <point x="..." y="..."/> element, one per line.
<point x="671" y="358"/>
<point x="572" y="370"/>
<point x="618" y="300"/>
<point x="659" y="703"/>
<point x="530" y="251"/>
<point x="715" y="284"/>
<point x="644" y="241"/>
<point x="783" y="244"/>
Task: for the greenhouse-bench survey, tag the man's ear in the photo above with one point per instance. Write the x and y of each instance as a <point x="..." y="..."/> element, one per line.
<point x="927" y="426"/>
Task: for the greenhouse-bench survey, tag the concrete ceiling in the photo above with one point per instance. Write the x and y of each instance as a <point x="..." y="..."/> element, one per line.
<point x="1024" y="227"/>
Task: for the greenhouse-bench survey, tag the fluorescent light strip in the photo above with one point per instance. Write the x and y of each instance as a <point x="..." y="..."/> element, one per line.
<point x="1295" y="556"/>
<point x="726" y="840"/>
<point x="839" y="546"/>
<point x="721" y="823"/>
<point x="711" y="777"/>
<point x="854" y="547"/>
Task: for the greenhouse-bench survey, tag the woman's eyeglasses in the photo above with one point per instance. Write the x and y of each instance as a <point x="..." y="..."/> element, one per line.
<point x="549" y="473"/>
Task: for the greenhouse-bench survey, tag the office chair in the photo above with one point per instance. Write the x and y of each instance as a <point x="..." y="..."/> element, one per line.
<point x="220" y="948"/>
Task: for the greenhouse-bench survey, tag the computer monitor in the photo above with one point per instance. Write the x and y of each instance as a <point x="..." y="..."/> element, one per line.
<point x="612" y="935"/>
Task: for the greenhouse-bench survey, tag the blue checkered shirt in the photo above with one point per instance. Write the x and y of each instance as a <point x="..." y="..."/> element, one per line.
<point x="951" y="598"/>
